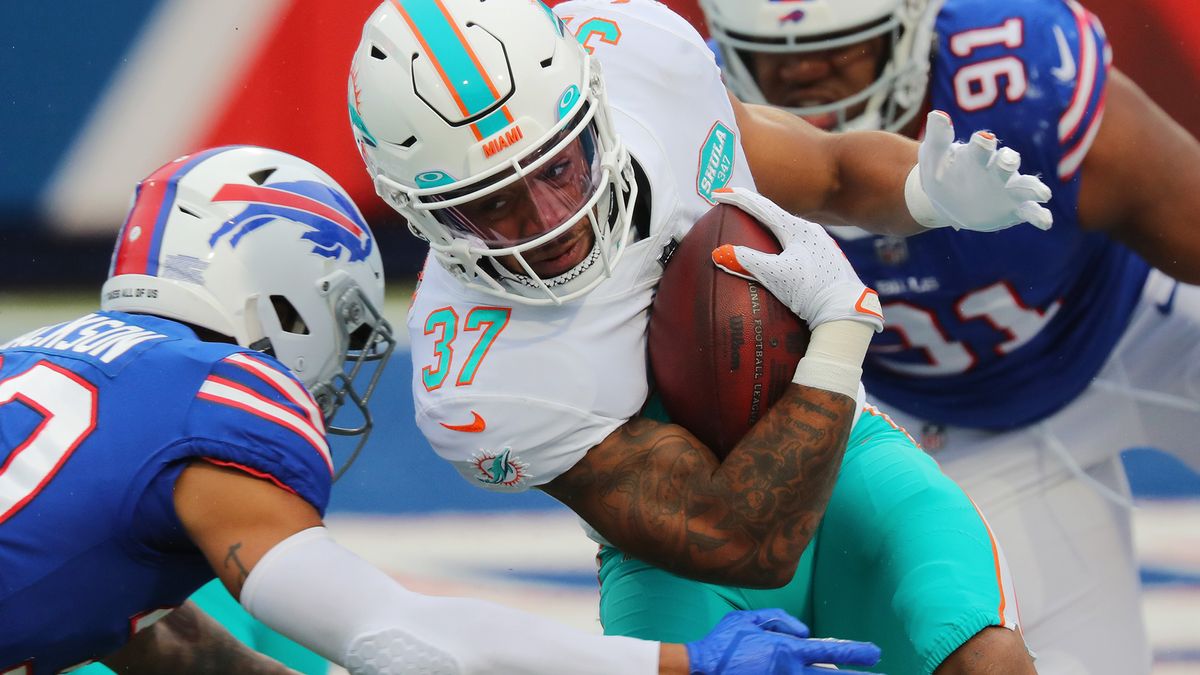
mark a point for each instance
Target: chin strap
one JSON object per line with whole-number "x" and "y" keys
{"x": 564, "y": 278}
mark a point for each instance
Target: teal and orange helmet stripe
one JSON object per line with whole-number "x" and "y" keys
{"x": 456, "y": 63}
{"x": 140, "y": 242}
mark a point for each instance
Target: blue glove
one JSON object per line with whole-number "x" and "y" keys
{"x": 772, "y": 641}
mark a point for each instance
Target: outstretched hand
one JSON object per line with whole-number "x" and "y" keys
{"x": 974, "y": 185}
{"x": 769, "y": 642}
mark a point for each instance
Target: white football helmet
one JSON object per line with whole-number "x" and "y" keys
{"x": 485, "y": 124}
{"x": 743, "y": 27}
{"x": 265, "y": 249}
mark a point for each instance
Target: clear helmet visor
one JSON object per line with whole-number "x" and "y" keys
{"x": 542, "y": 228}
{"x": 546, "y": 190}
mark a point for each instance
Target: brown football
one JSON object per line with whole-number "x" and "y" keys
{"x": 722, "y": 349}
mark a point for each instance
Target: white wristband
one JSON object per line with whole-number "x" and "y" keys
{"x": 918, "y": 202}
{"x": 833, "y": 360}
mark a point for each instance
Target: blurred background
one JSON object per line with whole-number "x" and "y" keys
{"x": 94, "y": 96}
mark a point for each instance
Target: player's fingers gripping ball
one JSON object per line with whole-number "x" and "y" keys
{"x": 771, "y": 641}
{"x": 973, "y": 185}
{"x": 810, "y": 275}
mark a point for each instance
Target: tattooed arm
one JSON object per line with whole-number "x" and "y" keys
{"x": 189, "y": 641}
{"x": 659, "y": 494}
{"x": 266, "y": 545}
{"x": 235, "y": 518}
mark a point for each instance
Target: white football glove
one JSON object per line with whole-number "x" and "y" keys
{"x": 811, "y": 275}
{"x": 973, "y": 185}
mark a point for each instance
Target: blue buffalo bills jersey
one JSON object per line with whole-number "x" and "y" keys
{"x": 98, "y": 416}
{"x": 997, "y": 330}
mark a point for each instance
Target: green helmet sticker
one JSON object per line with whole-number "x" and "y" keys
{"x": 567, "y": 101}
{"x": 430, "y": 179}
{"x": 716, "y": 161}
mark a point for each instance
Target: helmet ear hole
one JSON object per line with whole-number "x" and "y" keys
{"x": 260, "y": 177}
{"x": 289, "y": 317}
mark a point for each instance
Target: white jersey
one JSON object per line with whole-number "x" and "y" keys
{"x": 513, "y": 396}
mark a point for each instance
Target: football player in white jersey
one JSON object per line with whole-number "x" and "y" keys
{"x": 1026, "y": 371}
{"x": 551, "y": 159}
{"x": 179, "y": 433}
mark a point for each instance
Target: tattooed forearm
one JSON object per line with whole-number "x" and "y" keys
{"x": 188, "y": 641}
{"x": 821, "y": 409}
{"x": 232, "y": 561}
{"x": 657, "y": 493}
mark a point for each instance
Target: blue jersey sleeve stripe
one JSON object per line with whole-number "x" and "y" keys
{"x": 287, "y": 387}
{"x": 253, "y": 472}
{"x": 229, "y": 393}
{"x": 1089, "y": 74}
{"x": 1072, "y": 159}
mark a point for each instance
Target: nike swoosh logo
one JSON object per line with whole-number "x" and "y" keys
{"x": 1065, "y": 72}
{"x": 1167, "y": 305}
{"x": 475, "y": 426}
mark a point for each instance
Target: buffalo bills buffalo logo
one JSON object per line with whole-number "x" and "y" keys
{"x": 334, "y": 225}
{"x": 795, "y": 15}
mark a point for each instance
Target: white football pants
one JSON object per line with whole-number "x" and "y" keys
{"x": 1056, "y": 495}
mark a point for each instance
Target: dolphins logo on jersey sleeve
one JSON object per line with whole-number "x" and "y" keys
{"x": 337, "y": 230}
{"x": 499, "y": 469}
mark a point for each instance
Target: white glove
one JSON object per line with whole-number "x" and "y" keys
{"x": 811, "y": 275}
{"x": 972, "y": 186}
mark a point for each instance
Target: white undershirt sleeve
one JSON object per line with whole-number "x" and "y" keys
{"x": 321, "y": 595}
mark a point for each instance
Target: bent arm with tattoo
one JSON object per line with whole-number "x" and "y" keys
{"x": 658, "y": 493}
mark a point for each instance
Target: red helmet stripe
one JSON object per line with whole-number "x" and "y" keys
{"x": 140, "y": 240}
{"x": 237, "y": 192}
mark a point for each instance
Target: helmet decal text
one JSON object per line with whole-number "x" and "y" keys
{"x": 505, "y": 139}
